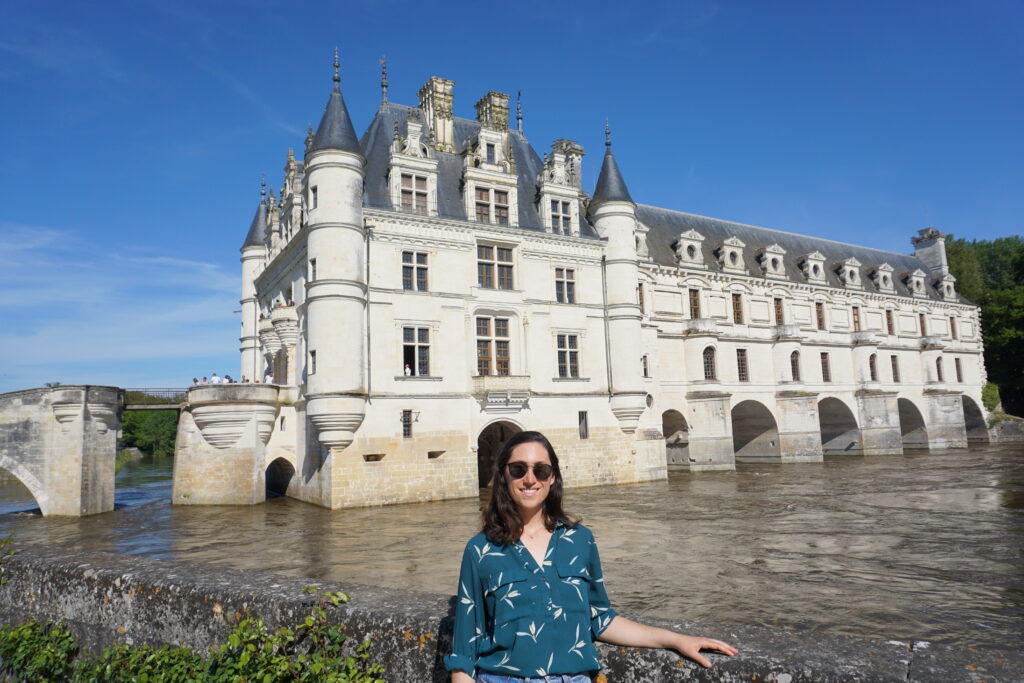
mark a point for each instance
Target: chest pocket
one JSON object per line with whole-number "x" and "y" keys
{"x": 574, "y": 587}
{"x": 511, "y": 594}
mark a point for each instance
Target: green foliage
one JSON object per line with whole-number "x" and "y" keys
{"x": 990, "y": 396}
{"x": 151, "y": 431}
{"x": 310, "y": 651}
{"x": 991, "y": 274}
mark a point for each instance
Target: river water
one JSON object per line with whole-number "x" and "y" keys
{"x": 919, "y": 546}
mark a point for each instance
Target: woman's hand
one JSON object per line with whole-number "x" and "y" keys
{"x": 461, "y": 677}
{"x": 690, "y": 646}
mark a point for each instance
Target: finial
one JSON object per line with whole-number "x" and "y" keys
{"x": 395, "y": 136}
{"x": 519, "y": 110}
{"x": 291, "y": 154}
{"x": 337, "y": 65}
{"x": 309, "y": 136}
{"x": 263, "y": 187}
{"x": 383, "y": 80}
{"x": 607, "y": 135}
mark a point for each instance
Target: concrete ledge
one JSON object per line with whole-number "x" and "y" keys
{"x": 107, "y": 598}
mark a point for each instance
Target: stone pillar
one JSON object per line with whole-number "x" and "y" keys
{"x": 944, "y": 419}
{"x": 252, "y": 261}
{"x": 879, "y": 422}
{"x": 270, "y": 343}
{"x": 220, "y": 456}
{"x": 799, "y": 429}
{"x": 710, "y": 421}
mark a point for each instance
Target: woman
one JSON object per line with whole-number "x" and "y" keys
{"x": 531, "y": 597}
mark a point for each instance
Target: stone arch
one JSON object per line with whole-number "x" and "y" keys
{"x": 279, "y": 476}
{"x": 974, "y": 422}
{"x": 794, "y": 367}
{"x": 677, "y": 437}
{"x": 755, "y": 433}
{"x": 913, "y": 431}
{"x": 839, "y": 430}
{"x": 29, "y": 481}
{"x": 488, "y": 445}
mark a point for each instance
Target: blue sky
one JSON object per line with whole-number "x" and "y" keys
{"x": 135, "y": 133}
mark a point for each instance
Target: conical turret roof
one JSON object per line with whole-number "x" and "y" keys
{"x": 335, "y": 130}
{"x": 610, "y": 185}
{"x": 258, "y": 230}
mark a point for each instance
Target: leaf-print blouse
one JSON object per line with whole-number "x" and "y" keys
{"x": 516, "y": 618}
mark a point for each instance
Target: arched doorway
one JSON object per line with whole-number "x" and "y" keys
{"x": 488, "y": 445}
{"x": 755, "y": 434}
{"x": 677, "y": 437}
{"x": 912, "y": 428}
{"x": 839, "y": 431}
{"x": 278, "y": 477}
{"x": 974, "y": 422}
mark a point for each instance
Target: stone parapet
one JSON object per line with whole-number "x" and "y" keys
{"x": 107, "y": 599}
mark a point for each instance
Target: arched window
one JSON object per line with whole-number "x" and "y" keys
{"x": 709, "y": 364}
{"x": 872, "y": 367}
{"x": 938, "y": 370}
{"x": 794, "y": 365}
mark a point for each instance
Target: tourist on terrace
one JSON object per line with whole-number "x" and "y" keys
{"x": 531, "y": 597}
{"x": 269, "y": 379}
{"x": 214, "y": 379}
{"x": 195, "y": 381}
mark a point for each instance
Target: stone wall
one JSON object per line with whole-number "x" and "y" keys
{"x": 107, "y": 599}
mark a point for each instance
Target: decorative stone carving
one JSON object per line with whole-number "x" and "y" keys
{"x": 772, "y": 260}
{"x": 66, "y": 413}
{"x": 222, "y": 425}
{"x": 813, "y": 267}
{"x": 849, "y": 273}
{"x": 730, "y": 256}
{"x": 882, "y": 277}
{"x": 269, "y": 340}
{"x": 286, "y": 325}
{"x": 103, "y": 418}
{"x": 946, "y": 287}
{"x": 689, "y": 249}
{"x": 915, "y": 283}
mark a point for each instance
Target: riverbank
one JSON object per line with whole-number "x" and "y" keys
{"x": 107, "y": 598}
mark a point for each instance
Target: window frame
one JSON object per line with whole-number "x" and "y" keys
{"x": 894, "y": 364}
{"x": 567, "y": 355}
{"x": 494, "y": 344}
{"x": 414, "y": 193}
{"x": 890, "y": 321}
{"x": 780, "y": 311}
{"x": 737, "y": 308}
{"x": 415, "y": 271}
{"x": 561, "y": 216}
{"x": 694, "y": 302}
{"x": 565, "y": 285}
{"x": 826, "y": 368}
{"x": 493, "y": 206}
{"x": 794, "y": 366}
{"x": 742, "y": 365}
{"x": 819, "y": 315}
{"x": 419, "y": 341}
{"x": 708, "y": 357}
{"x": 493, "y": 271}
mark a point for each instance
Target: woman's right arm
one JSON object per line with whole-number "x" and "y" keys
{"x": 469, "y": 620}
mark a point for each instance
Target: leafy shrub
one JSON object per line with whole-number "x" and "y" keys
{"x": 990, "y": 396}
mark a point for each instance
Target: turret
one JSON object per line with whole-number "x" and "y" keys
{"x": 336, "y": 295}
{"x": 613, "y": 214}
{"x": 254, "y": 251}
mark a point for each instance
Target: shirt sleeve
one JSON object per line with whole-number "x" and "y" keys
{"x": 601, "y": 612}
{"x": 469, "y": 617}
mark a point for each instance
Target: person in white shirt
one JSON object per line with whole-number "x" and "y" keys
{"x": 269, "y": 379}
{"x": 214, "y": 379}
{"x": 408, "y": 370}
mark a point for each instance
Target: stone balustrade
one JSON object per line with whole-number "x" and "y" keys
{"x": 864, "y": 338}
{"x": 789, "y": 332}
{"x": 700, "y": 327}
{"x": 932, "y": 342}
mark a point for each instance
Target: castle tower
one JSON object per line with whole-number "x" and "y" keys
{"x": 254, "y": 252}
{"x": 613, "y": 214}
{"x": 336, "y": 296}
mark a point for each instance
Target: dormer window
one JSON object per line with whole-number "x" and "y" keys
{"x": 414, "y": 193}
{"x": 946, "y": 286}
{"x": 772, "y": 263}
{"x": 849, "y": 273}
{"x": 882, "y": 277}
{"x": 558, "y": 188}
{"x": 561, "y": 216}
{"x": 813, "y": 267}
{"x": 915, "y": 283}
{"x": 491, "y": 206}
{"x": 730, "y": 255}
{"x": 413, "y": 173}
{"x": 689, "y": 249}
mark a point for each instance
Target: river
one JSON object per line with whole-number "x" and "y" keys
{"x": 920, "y": 546}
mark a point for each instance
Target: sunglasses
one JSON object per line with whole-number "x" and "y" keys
{"x": 541, "y": 471}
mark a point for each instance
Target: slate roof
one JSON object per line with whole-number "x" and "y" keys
{"x": 257, "y": 234}
{"x": 376, "y": 143}
{"x": 610, "y": 184}
{"x": 665, "y": 226}
{"x": 335, "y": 130}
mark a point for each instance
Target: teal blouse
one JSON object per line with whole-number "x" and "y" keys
{"x": 516, "y": 618}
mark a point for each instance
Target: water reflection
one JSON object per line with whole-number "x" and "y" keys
{"x": 917, "y": 546}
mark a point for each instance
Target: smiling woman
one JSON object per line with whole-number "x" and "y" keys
{"x": 531, "y": 596}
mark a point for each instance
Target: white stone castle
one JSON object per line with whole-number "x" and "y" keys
{"x": 424, "y": 291}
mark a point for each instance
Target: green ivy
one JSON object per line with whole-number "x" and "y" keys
{"x": 310, "y": 651}
{"x": 990, "y": 396}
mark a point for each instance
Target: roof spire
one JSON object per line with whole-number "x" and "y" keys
{"x": 519, "y": 111}
{"x": 263, "y": 187}
{"x": 607, "y": 135}
{"x": 610, "y": 184}
{"x": 383, "y": 80}
{"x": 337, "y": 72}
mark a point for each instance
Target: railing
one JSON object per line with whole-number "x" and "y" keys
{"x": 169, "y": 395}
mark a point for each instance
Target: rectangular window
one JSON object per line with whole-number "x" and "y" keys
{"x": 856, "y": 318}
{"x": 826, "y": 368}
{"x": 312, "y": 197}
{"x": 952, "y": 327}
{"x": 895, "y": 362}
{"x": 561, "y": 218}
{"x": 501, "y": 207}
{"x": 490, "y": 152}
{"x": 645, "y": 365}
{"x": 492, "y": 346}
{"x": 312, "y": 269}
{"x": 491, "y": 206}
{"x": 312, "y": 362}
{"x": 416, "y": 351}
{"x": 694, "y": 304}
{"x": 743, "y": 371}
{"x": 406, "y": 424}
{"x": 483, "y": 205}
{"x": 568, "y": 355}
{"x": 890, "y": 324}
{"x": 504, "y": 268}
{"x": 485, "y": 266}
{"x": 584, "y": 426}
{"x": 819, "y": 312}
{"x": 921, "y": 324}
{"x": 414, "y": 271}
{"x": 565, "y": 285}
{"x": 940, "y": 375}
{"x": 414, "y": 194}
{"x": 959, "y": 370}
{"x": 780, "y": 319}
{"x": 737, "y": 308}
{"x": 640, "y": 296}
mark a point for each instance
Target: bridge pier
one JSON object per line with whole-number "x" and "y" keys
{"x": 60, "y": 443}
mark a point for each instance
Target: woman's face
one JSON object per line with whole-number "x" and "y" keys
{"x": 528, "y": 493}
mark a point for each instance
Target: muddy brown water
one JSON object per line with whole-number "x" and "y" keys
{"x": 919, "y": 546}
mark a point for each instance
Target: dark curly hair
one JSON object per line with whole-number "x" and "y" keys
{"x": 501, "y": 520}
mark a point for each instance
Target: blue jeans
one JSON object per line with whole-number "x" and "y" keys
{"x": 485, "y": 677}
